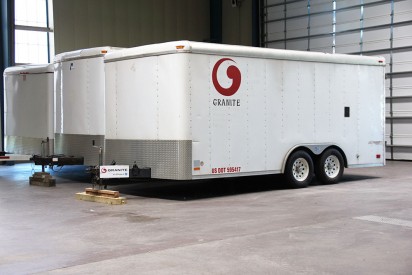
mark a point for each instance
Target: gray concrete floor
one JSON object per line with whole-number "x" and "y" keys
{"x": 249, "y": 225}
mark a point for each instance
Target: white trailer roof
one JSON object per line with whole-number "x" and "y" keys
{"x": 241, "y": 51}
{"x": 84, "y": 53}
{"x": 29, "y": 69}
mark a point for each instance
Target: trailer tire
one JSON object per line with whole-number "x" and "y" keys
{"x": 299, "y": 169}
{"x": 330, "y": 166}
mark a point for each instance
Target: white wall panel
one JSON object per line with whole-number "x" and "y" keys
{"x": 402, "y": 153}
{"x": 377, "y": 15}
{"x": 275, "y": 31}
{"x": 346, "y": 3}
{"x": 402, "y": 36}
{"x": 403, "y": 11}
{"x": 347, "y": 20}
{"x": 299, "y": 45}
{"x": 296, "y": 27}
{"x": 402, "y": 126}
{"x": 347, "y": 43}
{"x": 321, "y": 24}
{"x": 297, "y": 8}
{"x": 323, "y": 44}
{"x": 402, "y": 87}
{"x": 274, "y": 2}
{"x": 402, "y": 62}
{"x": 320, "y": 6}
{"x": 376, "y": 39}
{"x": 403, "y": 140}
{"x": 276, "y": 12}
{"x": 276, "y": 45}
{"x": 402, "y": 106}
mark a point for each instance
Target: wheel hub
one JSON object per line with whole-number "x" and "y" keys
{"x": 332, "y": 166}
{"x": 300, "y": 169}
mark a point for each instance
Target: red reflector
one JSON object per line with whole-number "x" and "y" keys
{"x": 378, "y": 156}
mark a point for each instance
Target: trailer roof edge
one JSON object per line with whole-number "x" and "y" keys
{"x": 239, "y": 51}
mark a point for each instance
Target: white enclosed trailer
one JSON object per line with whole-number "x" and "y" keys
{"x": 192, "y": 110}
{"x": 28, "y": 110}
{"x": 79, "y": 103}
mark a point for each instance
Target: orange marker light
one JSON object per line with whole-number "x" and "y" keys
{"x": 104, "y": 51}
{"x": 180, "y": 47}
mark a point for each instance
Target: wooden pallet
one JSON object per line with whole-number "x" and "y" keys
{"x": 42, "y": 179}
{"x": 103, "y": 196}
{"x": 103, "y": 193}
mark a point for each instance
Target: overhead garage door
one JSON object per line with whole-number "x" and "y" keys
{"x": 363, "y": 27}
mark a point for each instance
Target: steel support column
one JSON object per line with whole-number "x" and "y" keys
{"x": 6, "y": 48}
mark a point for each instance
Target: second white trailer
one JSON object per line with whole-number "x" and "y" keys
{"x": 193, "y": 110}
{"x": 79, "y": 103}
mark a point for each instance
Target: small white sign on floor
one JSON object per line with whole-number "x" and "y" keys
{"x": 114, "y": 171}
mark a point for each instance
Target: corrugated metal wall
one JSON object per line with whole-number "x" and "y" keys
{"x": 127, "y": 23}
{"x": 367, "y": 27}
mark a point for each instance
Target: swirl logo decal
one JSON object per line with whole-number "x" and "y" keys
{"x": 103, "y": 170}
{"x": 232, "y": 72}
